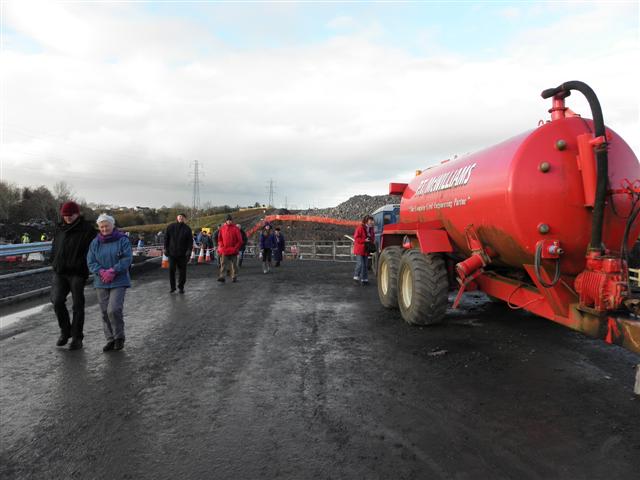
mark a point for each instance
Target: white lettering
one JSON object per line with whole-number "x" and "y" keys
{"x": 445, "y": 181}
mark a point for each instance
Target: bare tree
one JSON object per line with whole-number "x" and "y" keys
{"x": 9, "y": 199}
{"x": 63, "y": 192}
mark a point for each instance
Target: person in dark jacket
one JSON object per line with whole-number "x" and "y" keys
{"x": 278, "y": 251}
{"x": 243, "y": 248}
{"x": 178, "y": 243}
{"x": 363, "y": 239}
{"x": 109, "y": 259}
{"x": 267, "y": 244}
{"x": 71, "y": 242}
{"x": 229, "y": 243}
{"x": 214, "y": 237}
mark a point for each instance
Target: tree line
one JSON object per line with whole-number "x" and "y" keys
{"x": 22, "y": 205}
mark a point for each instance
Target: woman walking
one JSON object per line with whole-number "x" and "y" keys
{"x": 267, "y": 244}
{"x": 363, "y": 244}
{"x": 109, "y": 259}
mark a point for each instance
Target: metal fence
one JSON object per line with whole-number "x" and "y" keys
{"x": 335, "y": 251}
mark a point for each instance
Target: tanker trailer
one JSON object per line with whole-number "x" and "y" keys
{"x": 543, "y": 221}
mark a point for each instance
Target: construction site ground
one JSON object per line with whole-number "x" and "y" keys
{"x": 301, "y": 374}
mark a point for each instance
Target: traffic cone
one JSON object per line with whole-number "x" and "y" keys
{"x": 165, "y": 262}
{"x": 193, "y": 255}
{"x": 201, "y": 256}
{"x": 207, "y": 258}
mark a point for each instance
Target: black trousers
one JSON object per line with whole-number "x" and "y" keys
{"x": 61, "y": 286}
{"x": 181, "y": 263}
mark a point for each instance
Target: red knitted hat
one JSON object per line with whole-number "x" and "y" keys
{"x": 69, "y": 208}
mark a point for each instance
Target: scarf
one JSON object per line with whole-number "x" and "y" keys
{"x": 112, "y": 237}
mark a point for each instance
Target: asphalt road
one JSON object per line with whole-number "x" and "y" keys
{"x": 301, "y": 374}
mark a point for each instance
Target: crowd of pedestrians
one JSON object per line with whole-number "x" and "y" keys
{"x": 79, "y": 248}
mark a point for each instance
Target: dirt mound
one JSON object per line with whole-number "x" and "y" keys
{"x": 354, "y": 208}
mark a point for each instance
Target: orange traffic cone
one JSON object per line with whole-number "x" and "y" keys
{"x": 165, "y": 262}
{"x": 201, "y": 256}
{"x": 193, "y": 255}
{"x": 207, "y": 258}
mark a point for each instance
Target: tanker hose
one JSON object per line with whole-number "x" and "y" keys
{"x": 602, "y": 160}
{"x": 537, "y": 264}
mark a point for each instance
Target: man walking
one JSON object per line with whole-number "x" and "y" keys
{"x": 229, "y": 243}
{"x": 178, "y": 242}
{"x": 69, "y": 249}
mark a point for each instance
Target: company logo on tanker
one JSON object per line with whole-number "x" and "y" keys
{"x": 445, "y": 181}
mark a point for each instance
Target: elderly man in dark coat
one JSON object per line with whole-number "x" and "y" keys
{"x": 71, "y": 242}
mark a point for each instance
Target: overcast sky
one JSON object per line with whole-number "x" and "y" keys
{"x": 328, "y": 99}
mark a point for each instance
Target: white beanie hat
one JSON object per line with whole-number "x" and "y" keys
{"x": 106, "y": 218}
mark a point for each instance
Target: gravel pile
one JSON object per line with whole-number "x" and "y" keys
{"x": 355, "y": 208}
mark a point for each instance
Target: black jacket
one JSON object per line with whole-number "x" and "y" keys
{"x": 70, "y": 246}
{"x": 245, "y": 240}
{"x": 178, "y": 241}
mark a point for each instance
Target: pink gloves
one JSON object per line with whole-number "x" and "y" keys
{"x": 107, "y": 276}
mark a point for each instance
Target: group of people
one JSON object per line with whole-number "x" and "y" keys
{"x": 78, "y": 249}
{"x": 229, "y": 242}
{"x": 272, "y": 245}
{"x": 208, "y": 241}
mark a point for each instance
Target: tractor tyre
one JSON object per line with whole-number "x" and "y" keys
{"x": 388, "y": 264}
{"x": 423, "y": 288}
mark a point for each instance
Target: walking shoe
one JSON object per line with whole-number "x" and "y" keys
{"x": 181, "y": 290}
{"x": 356, "y": 280}
{"x": 172, "y": 290}
{"x": 118, "y": 344}
{"x": 365, "y": 283}
{"x": 108, "y": 346}
{"x": 264, "y": 270}
{"x": 76, "y": 344}
{"x": 62, "y": 340}
{"x": 221, "y": 279}
{"x": 234, "y": 280}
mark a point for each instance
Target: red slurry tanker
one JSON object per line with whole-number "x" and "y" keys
{"x": 543, "y": 221}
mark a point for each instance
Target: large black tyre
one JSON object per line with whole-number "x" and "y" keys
{"x": 388, "y": 264}
{"x": 423, "y": 288}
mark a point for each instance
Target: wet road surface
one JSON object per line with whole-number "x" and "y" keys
{"x": 302, "y": 375}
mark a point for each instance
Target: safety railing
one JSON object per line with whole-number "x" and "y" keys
{"x": 18, "y": 249}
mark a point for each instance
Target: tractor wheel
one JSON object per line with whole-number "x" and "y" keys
{"x": 423, "y": 288}
{"x": 388, "y": 264}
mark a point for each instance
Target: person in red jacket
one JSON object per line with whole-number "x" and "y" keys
{"x": 363, "y": 243}
{"x": 229, "y": 244}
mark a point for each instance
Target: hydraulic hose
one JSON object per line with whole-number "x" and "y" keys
{"x": 602, "y": 160}
{"x": 537, "y": 266}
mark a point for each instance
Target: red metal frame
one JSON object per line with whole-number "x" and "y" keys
{"x": 560, "y": 304}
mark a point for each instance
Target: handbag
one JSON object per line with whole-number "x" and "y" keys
{"x": 371, "y": 247}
